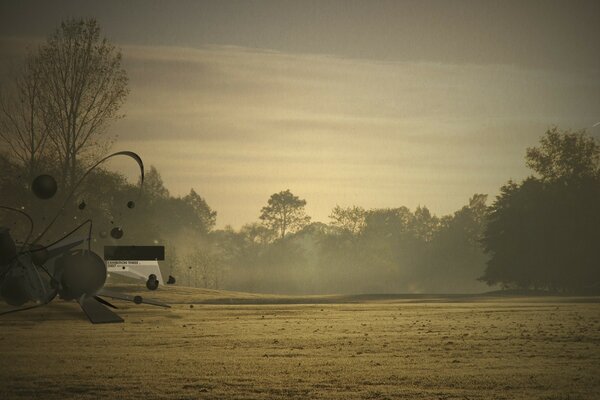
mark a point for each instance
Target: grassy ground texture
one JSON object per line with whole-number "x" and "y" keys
{"x": 226, "y": 345}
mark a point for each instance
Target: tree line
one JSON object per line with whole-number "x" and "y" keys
{"x": 538, "y": 234}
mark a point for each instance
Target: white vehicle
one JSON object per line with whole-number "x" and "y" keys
{"x": 138, "y": 262}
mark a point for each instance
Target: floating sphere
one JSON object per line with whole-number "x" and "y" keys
{"x": 82, "y": 205}
{"x": 80, "y": 272}
{"x": 44, "y": 186}
{"x": 131, "y": 204}
{"x": 138, "y": 299}
{"x": 152, "y": 283}
{"x": 116, "y": 232}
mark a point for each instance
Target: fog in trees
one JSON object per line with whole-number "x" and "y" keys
{"x": 538, "y": 234}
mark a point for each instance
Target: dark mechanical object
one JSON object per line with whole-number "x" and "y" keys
{"x": 72, "y": 274}
{"x": 31, "y": 272}
{"x": 152, "y": 282}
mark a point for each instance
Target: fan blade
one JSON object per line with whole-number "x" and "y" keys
{"x": 96, "y": 312}
{"x": 133, "y": 299}
{"x": 105, "y": 302}
{"x": 56, "y": 250}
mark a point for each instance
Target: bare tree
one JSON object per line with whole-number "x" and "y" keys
{"x": 22, "y": 127}
{"x": 208, "y": 270}
{"x": 82, "y": 87}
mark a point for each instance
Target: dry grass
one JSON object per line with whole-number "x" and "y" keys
{"x": 345, "y": 348}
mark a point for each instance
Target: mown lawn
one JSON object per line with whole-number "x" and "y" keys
{"x": 387, "y": 348}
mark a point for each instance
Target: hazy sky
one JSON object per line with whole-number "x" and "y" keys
{"x": 374, "y": 103}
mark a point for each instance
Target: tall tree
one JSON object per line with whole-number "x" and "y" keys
{"x": 204, "y": 213}
{"x": 543, "y": 233}
{"x": 351, "y": 219}
{"x": 22, "y": 126}
{"x": 154, "y": 187}
{"x": 565, "y": 154}
{"x": 284, "y": 213}
{"x": 82, "y": 86}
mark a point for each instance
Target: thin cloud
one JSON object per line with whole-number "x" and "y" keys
{"x": 239, "y": 124}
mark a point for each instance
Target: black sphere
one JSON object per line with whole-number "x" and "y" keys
{"x": 152, "y": 284}
{"x": 80, "y": 272}
{"x": 138, "y": 299}
{"x": 131, "y": 204}
{"x": 116, "y": 232}
{"x": 44, "y": 186}
{"x": 82, "y": 205}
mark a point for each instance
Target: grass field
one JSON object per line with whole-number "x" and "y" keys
{"x": 221, "y": 345}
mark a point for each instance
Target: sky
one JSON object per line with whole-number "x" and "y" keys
{"x": 370, "y": 103}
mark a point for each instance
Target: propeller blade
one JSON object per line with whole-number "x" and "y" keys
{"x": 96, "y": 312}
{"x": 105, "y": 302}
{"x": 56, "y": 250}
{"x": 133, "y": 299}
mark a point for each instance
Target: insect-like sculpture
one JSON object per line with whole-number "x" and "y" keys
{"x": 30, "y": 272}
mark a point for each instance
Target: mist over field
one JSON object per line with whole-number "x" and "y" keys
{"x": 306, "y": 166}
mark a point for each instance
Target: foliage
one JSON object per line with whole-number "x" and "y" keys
{"x": 395, "y": 250}
{"x": 543, "y": 233}
{"x": 284, "y": 213}
{"x": 351, "y": 219}
{"x": 205, "y": 216}
{"x": 565, "y": 155}
{"x": 65, "y": 97}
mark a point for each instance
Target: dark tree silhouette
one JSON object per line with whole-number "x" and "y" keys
{"x": 205, "y": 215}
{"x": 543, "y": 233}
{"x": 284, "y": 213}
{"x": 351, "y": 219}
{"x": 22, "y": 126}
{"x": 565, "y": 155}
{"x": 82, "y": 86}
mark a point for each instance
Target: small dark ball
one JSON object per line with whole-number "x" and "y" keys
{"x": 82, "y": 205}
{"x": 131, "y": 204}
{"x": 116, "y": 232}
{"x": 138, "y": 299}
{"x": 44, "y": 186}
